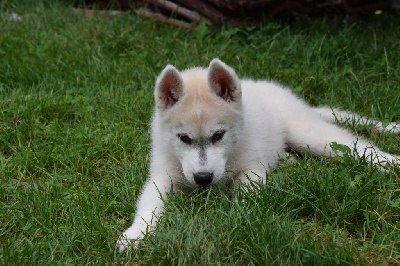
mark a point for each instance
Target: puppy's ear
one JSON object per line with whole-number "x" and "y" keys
{"x": 169, "y": 88}
{"x": 224, "y": 82}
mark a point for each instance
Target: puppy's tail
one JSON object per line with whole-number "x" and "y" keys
{"x": 333, "y": 115}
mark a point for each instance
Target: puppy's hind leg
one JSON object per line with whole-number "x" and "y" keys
{"x": 315, "y": 136}
{"x": 332, "y": 115}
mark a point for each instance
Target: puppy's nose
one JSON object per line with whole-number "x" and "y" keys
{"x": 203, "y": 178}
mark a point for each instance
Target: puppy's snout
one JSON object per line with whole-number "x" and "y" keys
{"x": 203, "y": 178}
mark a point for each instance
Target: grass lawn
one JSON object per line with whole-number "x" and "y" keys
{"x": 76, "y": 94}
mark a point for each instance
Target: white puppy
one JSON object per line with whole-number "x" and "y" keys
{"x": 211, "y": 127}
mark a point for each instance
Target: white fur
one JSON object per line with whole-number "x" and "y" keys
{"x": 260, "y": 120}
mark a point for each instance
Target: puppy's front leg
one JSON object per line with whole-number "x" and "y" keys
{"x": 149, "y": 206}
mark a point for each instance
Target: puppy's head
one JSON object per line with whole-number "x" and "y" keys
{"x": 200, "y": 112}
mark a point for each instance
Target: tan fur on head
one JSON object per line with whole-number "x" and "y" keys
{"x": 201, "y": 105}
{"x": 200, "y": 84}
{"x": 204, "y": 95}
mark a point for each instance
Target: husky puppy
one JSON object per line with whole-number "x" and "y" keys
{"x": 211, "y": 127}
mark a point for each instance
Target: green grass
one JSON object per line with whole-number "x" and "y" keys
{"x": 75, "y": 102}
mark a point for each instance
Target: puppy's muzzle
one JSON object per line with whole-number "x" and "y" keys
{"x": 203, "y": 178}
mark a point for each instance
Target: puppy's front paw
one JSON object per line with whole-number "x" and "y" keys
{"x": 129, "y": 239}
{"x": 124, "y": 243}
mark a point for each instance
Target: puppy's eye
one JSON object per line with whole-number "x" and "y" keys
{"x": 185, "y": 139}
{"x": 217, "y": 136}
